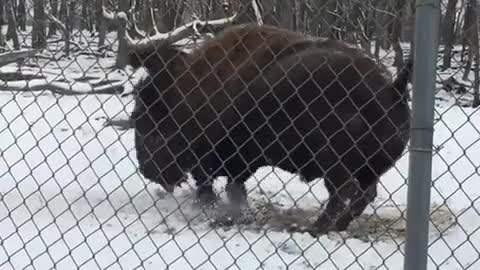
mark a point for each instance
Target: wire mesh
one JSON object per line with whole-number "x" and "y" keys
{"x": 75, "y": 192}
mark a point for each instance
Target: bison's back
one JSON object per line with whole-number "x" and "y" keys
{"x": 240, "y": 53}
{"x": 310, "y": 111}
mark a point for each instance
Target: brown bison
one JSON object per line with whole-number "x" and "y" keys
{"x": 257, "y": 96}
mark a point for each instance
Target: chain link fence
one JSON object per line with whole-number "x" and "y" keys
{"x": 230, "y": 135}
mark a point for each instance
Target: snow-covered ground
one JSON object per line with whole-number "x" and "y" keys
{"x": 71, "y": 197}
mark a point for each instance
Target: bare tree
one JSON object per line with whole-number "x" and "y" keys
{"x": 2, "y": 8}
{"x": 69, "y": 25}
{"x": 149, "y": 25}
{"x": 367, "y": 24}
{"x": 312, "y": 18}
{"x": 52, "y": 29}
{"x": 86, "y": 25}
{"x": 170, "y": 14}
{"x": 283, "y": 13}
{"x": 215, "y": 10}
{"x": 122, "y": 55}
{"x": 396, "y": 31}
{"x": 65, "y": 28}
{"x": 2, "y": 38}
{"x": 449, "y": 32}
{"x": 12, "y": 25}
{"x": 299, "y": 22}
{"x": 207, "y": 9}
{"x": 379, "y": 28}
{"x": 177, "y": 34}
{"x": 475, "y": 50}
{"x": 101, "y": 23}
{"x": 22, "y": 15}
{"x": 63, "y": 11}
{"x": 39, "y": 39}
{"x": 328, "y": 16}
{"x": 411, "y": 22}
{"x": 469, "y": 35}
{"x": 247, "y": 13}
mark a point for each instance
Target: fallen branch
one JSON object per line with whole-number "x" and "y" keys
{"x": 56, "y": 21}
{"x": 13, "y": 56}
{"x": 16, "y": 76}
{"x": 177, "y": 34}
{"x": 122, "y": 124}
{"x": 451, "y": 84}
{"x": 53, "y": 41}
{"x": 80, "y": 47}
{"x": 62, "y": 88}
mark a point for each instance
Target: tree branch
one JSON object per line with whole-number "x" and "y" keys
{"x": 10, "y": 57}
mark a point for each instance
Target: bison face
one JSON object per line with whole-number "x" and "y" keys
{"x": 157, "y": 162}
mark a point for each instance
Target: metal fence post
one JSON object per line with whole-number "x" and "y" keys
{"x": 426, "y": 46}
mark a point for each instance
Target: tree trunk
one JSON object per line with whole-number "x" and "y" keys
{"x": 70, "y": 13}
{"x": 101, "y": 23}
{"x": 412, "y": 40}
{"x": 378, "y": 28}
{"x": 284, "y": 13}
{"x": 63, "y": 11}
{"x": 300, "y": 16}
{"x": 474, "y": 49}
{"x": 12, "y": 25}
{"x": 148, "y": 19}
{"x": 246, "y": 13}
{"x": 386, "y": 23}
{"x": 91, "y": 16}
{"x": 368, "y": 27}
{"x": 448, "y": 32}
{"x": 396, "y": 31}
{"x": 202, "y": 9}
{"x": 39, "y": 40}
{"x": 122, "y": 54}
{"x": 84, "y": 25}
{"x": 215, "y": 9}
{"x": 468, "y": 27}
{"x": 22, "y": 15}
{"x": 2, "y": 20}
{"x": 324, "y": 11}
{"x": 2, "y": 8}
{"x": 52, "y": 29}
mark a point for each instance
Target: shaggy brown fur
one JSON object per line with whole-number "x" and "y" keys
{"x": 217, "y": 70}
{"x": 319, "y": 108}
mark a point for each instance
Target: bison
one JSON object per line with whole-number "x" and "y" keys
{"x": 256, "y": 96}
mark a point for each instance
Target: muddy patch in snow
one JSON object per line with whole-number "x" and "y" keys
{"x": 385, "y": 223}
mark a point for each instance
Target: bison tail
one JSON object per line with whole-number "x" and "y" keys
{"x": 403, "y": 77}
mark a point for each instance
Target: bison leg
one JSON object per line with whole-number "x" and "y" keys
{"x": 206, "y": 196}
{"x": 348, "y": 200}
{"x": 366, "y": 194}
{"x": 237, "y": 193}
{"x": 357, "y": 206}
{"x": 341, "y": 188}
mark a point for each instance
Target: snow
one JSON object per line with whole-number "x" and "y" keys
{"x": 71, "y": 196}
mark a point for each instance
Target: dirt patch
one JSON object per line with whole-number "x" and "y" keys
{"x": 385, "y": 223}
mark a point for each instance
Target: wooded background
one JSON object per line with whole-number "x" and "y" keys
{"x": 374, "y": 25}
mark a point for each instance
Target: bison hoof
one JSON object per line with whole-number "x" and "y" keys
{"x": 206, "y": 199}
{"x": 343, "y": 223}
{"x": 325, "y": 224}
{"x": 235, "y": 210}
{"x": 314, "y": 230}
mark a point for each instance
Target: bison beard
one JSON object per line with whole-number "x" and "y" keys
{"x": 319, "y": 108}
